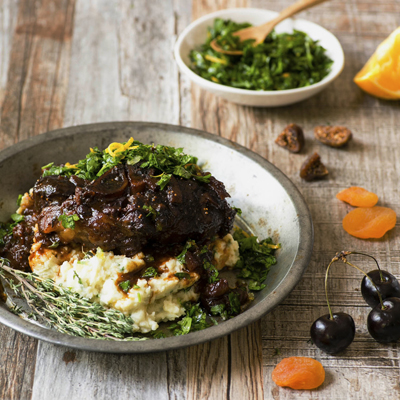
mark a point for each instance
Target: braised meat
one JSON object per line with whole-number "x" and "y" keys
{"x": 125, "y": 210}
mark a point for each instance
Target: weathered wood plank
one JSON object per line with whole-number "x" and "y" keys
{"x": 208, "y": 370}
{"x": 32, "y": 94}
{"x": 8, "y": 20}
{"x": 115, "y": 75}
{"x": 80, "y": 374}
{"x": 38, "y": 73}
{"x": 17, "y": 364}
{"x": 246, "y": 363}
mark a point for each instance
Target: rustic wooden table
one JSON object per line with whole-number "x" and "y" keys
{"x": 69, "y": 62}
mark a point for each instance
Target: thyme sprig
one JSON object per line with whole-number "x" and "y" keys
{"x": 67, "y": 311}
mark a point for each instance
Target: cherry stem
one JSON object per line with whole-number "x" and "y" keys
{"x": 368, "y": 277}
{"x": 367, "y": 255}
{"x": 326, "y": 286}
{"x": 342, "y": 256}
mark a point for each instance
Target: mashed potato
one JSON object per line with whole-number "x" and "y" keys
{"x": 149, "y": 302}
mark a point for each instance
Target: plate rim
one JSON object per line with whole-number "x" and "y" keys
{"x": 250, "y": 315}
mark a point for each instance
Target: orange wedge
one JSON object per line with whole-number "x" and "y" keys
{"x": 380, "y": 76}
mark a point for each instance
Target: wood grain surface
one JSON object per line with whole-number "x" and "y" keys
{"x": 72, "y": 62}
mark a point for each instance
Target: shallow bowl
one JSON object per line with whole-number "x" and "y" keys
{"x": 271, "y": 204}
{"x": 196, "y": 33}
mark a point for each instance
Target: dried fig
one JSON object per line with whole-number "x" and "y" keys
{"x": 334, "y": 136}
{"x": 291, "y": 138}
{"x": 313, "y": 168}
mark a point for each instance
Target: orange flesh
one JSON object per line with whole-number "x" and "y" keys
{"x": 299, "y": 373}
{"x": 380, "y": 75}
{"x": 369, "y": 223}
{"x": 357, "y": 196}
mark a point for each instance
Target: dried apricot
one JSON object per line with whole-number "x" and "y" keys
{"x": 299, "y": 373}
{"x": 357, "y": 196}
{"x": 368, "y": 223}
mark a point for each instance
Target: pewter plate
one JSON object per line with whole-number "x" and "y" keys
{"x": 271, "y": 205}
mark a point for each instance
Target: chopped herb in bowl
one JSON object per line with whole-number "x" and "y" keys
{"x": 283, "y": 61}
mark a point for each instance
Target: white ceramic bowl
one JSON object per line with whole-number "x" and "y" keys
{"x": 195, "y": 34}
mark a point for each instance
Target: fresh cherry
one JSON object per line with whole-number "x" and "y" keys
{"x": 388, "y": 286}
{"x": 384, "y": 323}
{"x": 333, "y": 335}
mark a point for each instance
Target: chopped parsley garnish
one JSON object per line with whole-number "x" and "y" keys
{"x": 54, "y": 245}
{"x": 6, "y": 229}
{"x": 219, "y": 309}
{"x": 68, "y": 221}
{"x": 234, "y": 303}
{"x": 125, "y": 286}
{"x": 182, "y": 275}
{"x": 255, "y": 259}
{"x": 168, "y": 160}
{"x": 19, "y": 199}
{"x": 158, "y": 334}
{"x": 238, "y": 210}
{"x": 149, "y": 273}
{"x": 152, "y": 212}
{"x": 181, "y": 257}
{"x": 213, "y": 274}
{"x": 17, "y": 217}
{"x": 194, "y": 320}
{"x": 204, "y": 249}
{"x": 282, "y": 61}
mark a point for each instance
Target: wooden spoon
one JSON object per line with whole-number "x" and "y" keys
{"x": 259, "y": 33}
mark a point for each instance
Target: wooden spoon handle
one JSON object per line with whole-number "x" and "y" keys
{"x": 291, "y": 10}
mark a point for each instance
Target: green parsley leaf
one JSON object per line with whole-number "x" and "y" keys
{"x": 152, "y": 212}
{"x": 68, "y": 221}
{"x": 181, "y": 257}
{"x": 158, "y": 334}
{"x": 238, "y": 210}
{"x": 20, "y": 196}
{"x": 213, "y": 274}
{"x": 234, "y": 303}
{"x": 219, "y": 309}
{"x": 125, "y": 286}
{"x": 165, "y": 178}
{"x": 149, "y": 273}
{"x": 17, "y": 217}
{"x": 256, "y": 259}
{"x": 194, "y": 320}
{"x": 182, "y": 275}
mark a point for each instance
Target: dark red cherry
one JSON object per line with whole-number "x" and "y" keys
{"x": 384, "y": 324}
{"x": 388, "y": 287}
{"x": 333, "y": 335}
